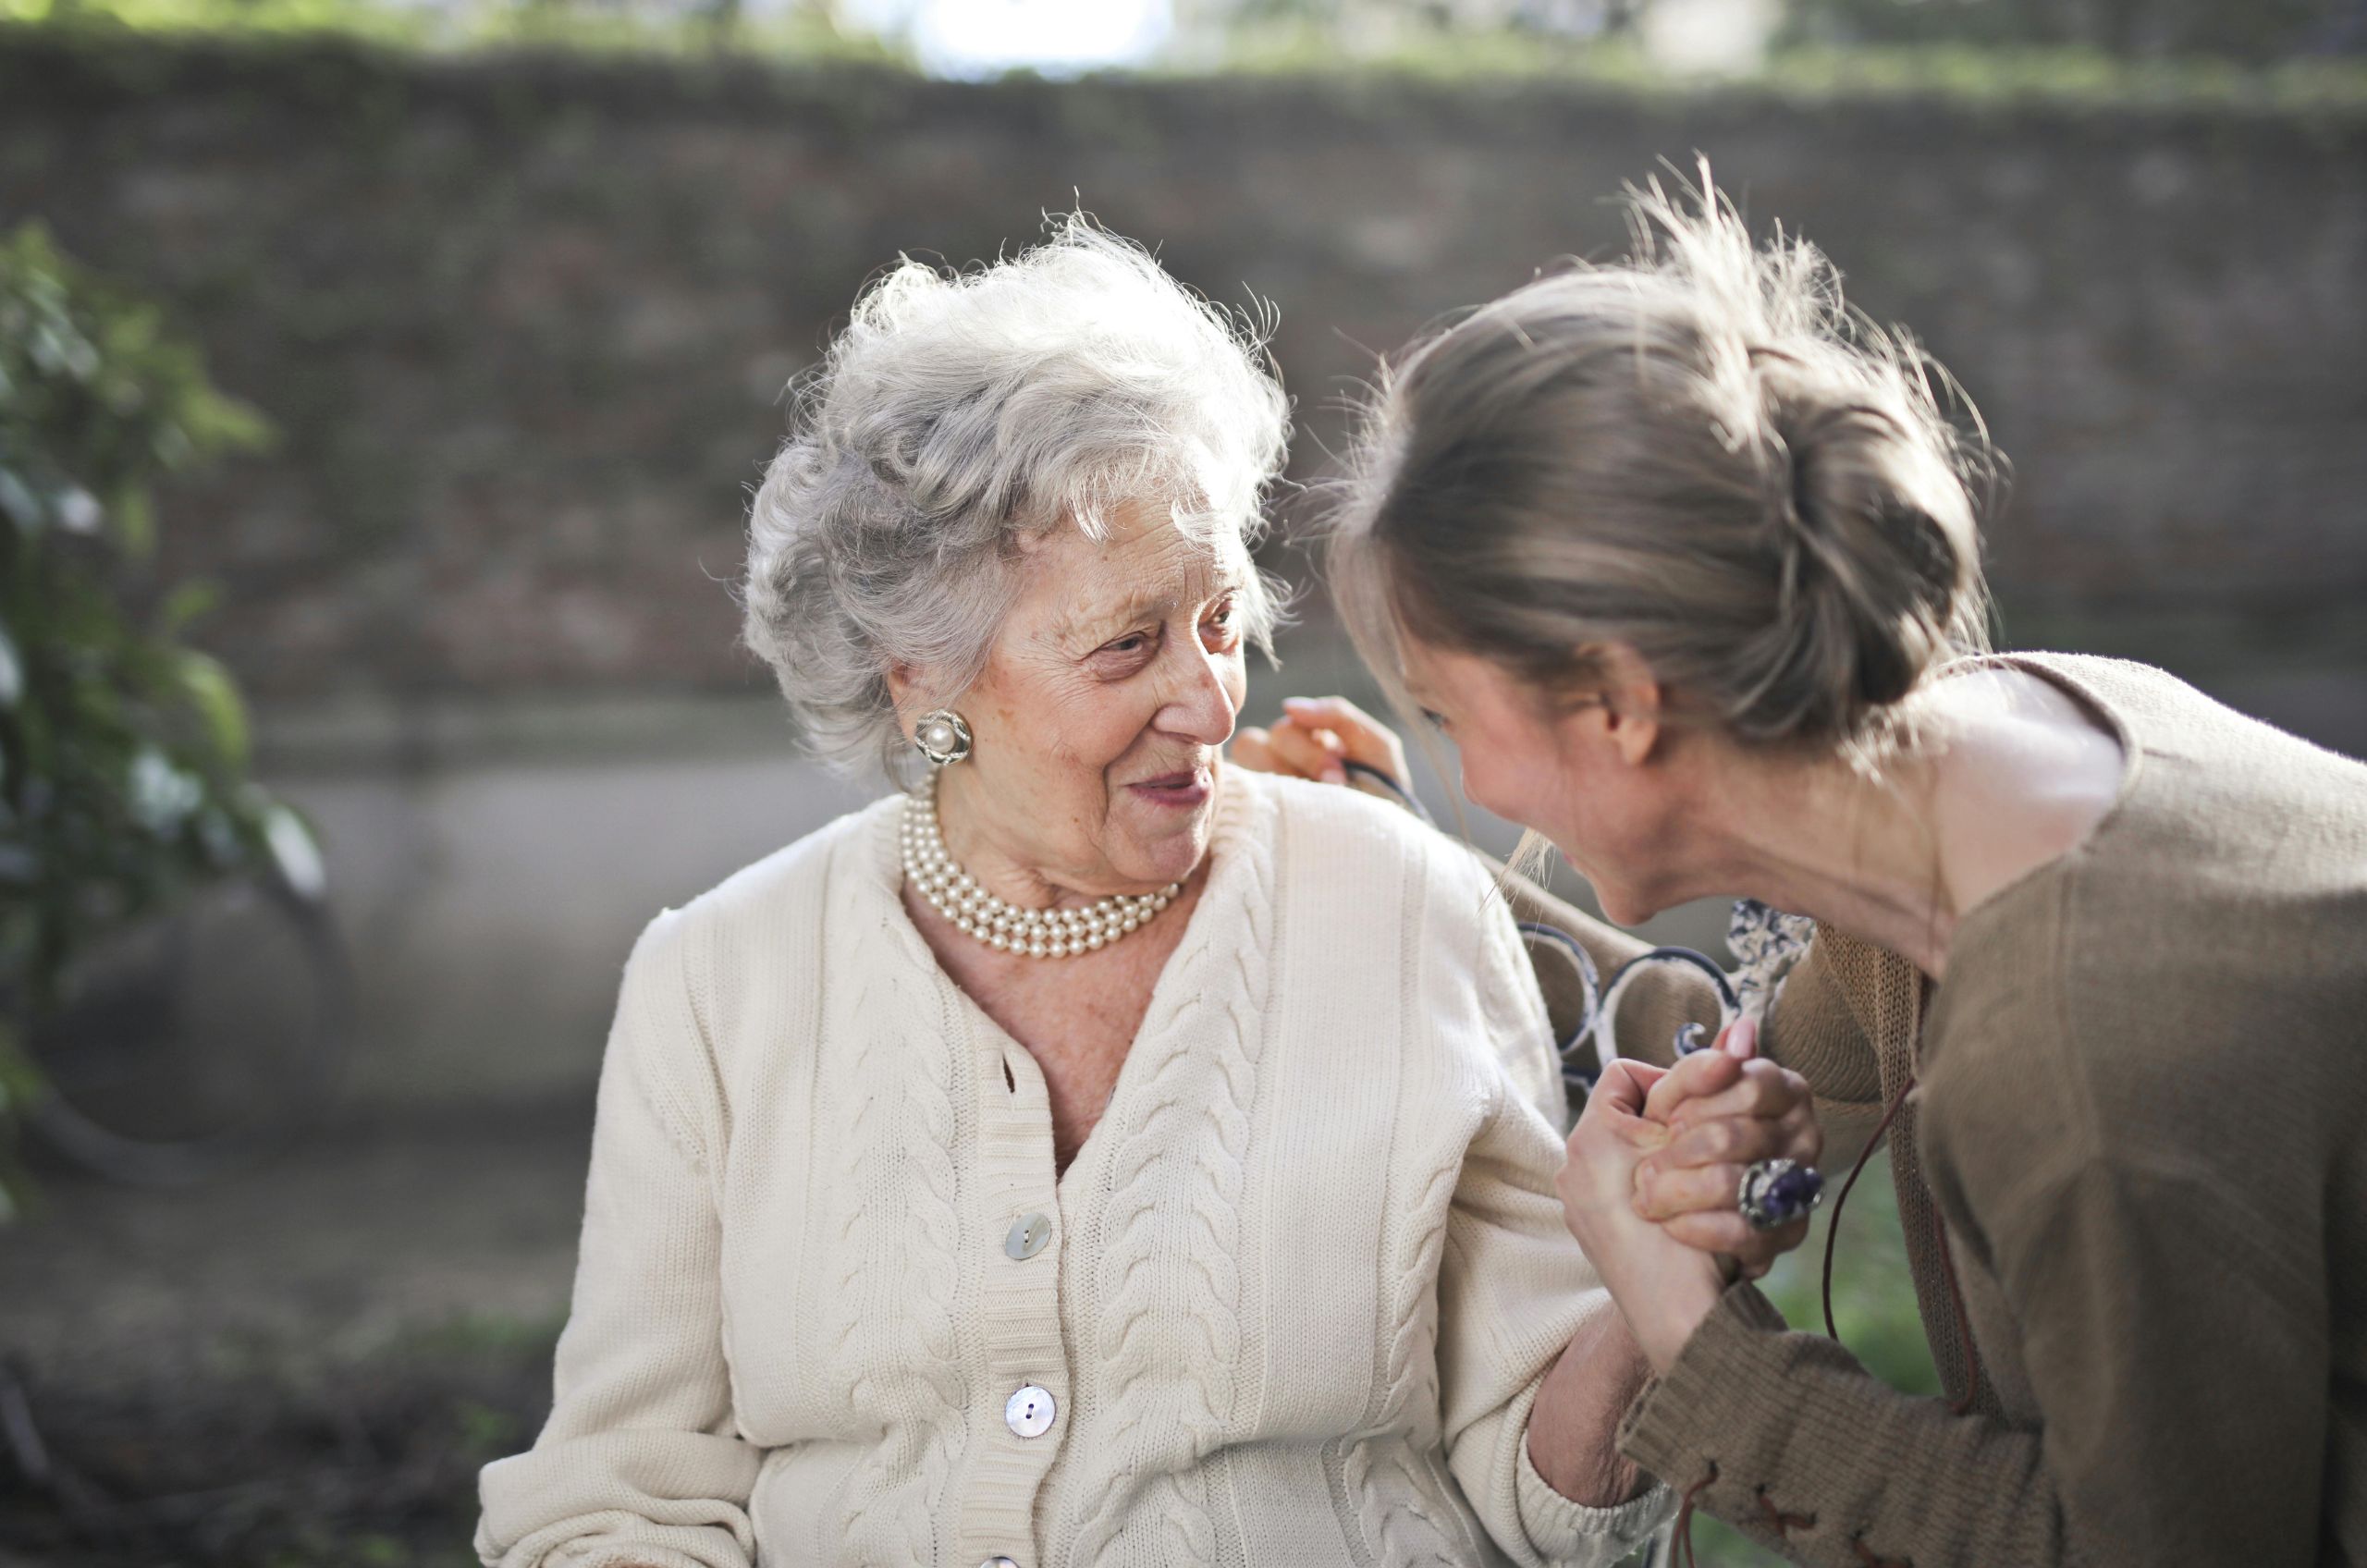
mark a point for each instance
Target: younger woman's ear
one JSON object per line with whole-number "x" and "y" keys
{"x": 1631, "y": 702}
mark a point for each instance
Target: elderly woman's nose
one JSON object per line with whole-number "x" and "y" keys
{"x": 1200, "y": 703}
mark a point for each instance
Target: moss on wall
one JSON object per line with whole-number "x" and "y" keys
{"x": 525, "y": 316}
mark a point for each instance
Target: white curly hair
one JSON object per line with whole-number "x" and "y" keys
{"x": 960, "y": 413}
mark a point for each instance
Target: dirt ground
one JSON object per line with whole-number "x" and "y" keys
{"x": 298, "y": 1367}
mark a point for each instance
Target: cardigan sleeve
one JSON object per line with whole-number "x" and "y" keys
{"x": 640, "y": 1462}
{"x": 1513, "y": 1288}
{"x": 1787, "y": 1437}
{"x": 2178, "y": 1367}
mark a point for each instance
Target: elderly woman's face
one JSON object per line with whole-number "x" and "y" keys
{"x": 1106, "y": 700}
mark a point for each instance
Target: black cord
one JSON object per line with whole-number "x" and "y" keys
{"x": 1406, "y": 797}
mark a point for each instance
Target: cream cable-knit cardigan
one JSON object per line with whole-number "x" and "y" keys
{"x": 1302, "y": 1283}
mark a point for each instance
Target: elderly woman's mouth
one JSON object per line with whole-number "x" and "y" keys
{"x": 1182, "y": 791}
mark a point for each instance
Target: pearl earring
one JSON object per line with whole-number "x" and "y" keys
{"x": 942, "y": 736}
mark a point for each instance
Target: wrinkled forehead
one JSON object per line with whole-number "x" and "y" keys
{"x": 1148, "y": 564}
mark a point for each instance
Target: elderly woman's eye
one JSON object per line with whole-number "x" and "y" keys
{"x": 1434, "y": 719}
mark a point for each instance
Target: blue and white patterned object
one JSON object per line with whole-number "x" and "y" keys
{"x": 1766, "y": 943}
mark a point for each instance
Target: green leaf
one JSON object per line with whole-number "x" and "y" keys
{"x": 186, "y": 604}
{"x": 215, "y": 697}
{"x": 135, "y": 521}
{"x": 125, "y": 752}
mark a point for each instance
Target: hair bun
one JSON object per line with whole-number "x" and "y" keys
{"x": 1876, "y": 567}
{"x": 1701, "y": 453}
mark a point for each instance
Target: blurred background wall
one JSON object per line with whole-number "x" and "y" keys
{"x": 525, "y": 320}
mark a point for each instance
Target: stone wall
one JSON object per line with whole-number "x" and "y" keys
{"x": 525, "y": 325}
{"x": 526, "y": 322}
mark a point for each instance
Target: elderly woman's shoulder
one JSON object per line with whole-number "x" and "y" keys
{"x": 1346, "y": 832}
{"x": 786, "y": 889}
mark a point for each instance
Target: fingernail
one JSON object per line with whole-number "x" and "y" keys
{"x": 1301, "y": 704}
{"x": 1742, "y": 1039}
{"x": 1335, "y": 774}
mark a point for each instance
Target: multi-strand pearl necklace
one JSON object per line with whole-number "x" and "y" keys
{"x": 1033, "y": 933}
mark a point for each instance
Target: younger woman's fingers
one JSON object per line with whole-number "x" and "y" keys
{"x": 1663, "y": 1192}
{"x": 1250, "y": 750}
{"x": 1367, "y": 739}
{"x": 1803, "y": 1136}
{"x": 1733, "y": 1140}
{"x": 1300, "y": 753}
{"x": 1738, "y": 1140}
{"x": 1699, "y": 1078}
{"x": 1764, "y": 1089}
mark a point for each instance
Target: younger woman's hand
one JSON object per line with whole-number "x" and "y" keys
{"x": 1317, "y": 736}
{"x": 1724, "y": 1109}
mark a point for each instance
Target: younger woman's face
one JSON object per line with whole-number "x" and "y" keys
{"x": 1587, "y": 773}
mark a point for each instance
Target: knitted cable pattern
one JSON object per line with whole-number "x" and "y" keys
{"x": 1401, "y": 1507}
{"x": 1170, "y": 1334}
{"x": 898, "y": 1237}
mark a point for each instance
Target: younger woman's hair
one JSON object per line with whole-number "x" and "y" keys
{"x": 1701, "y": 452}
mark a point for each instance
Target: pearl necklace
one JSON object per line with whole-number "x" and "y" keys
{"x": 1031, "y": 932}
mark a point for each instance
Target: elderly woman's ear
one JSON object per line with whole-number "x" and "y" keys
{"x": 901, "y": 686}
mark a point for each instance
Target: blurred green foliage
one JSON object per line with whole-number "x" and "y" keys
{"x": 2280, "y": 55}
{"x": 123, "y": 751}
{"x": 2245, "y": 30}
{"x": 802, "y": 29}
{"x": 1948, "y": 74}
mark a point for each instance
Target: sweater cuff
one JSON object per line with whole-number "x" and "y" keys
{"x": 1564, "y": 1530}
{"x": 1709, "y": 1396}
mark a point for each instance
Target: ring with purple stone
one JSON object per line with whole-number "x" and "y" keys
{"x": 1774, "y": 1192}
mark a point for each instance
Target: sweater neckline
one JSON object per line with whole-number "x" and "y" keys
{"x": 2057, "y": 867}
{"x": 1221, "y": 909}
{"x": 1989, "y": 923}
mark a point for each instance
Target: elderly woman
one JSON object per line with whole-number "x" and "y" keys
{"x": 1094, "y": 1156}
